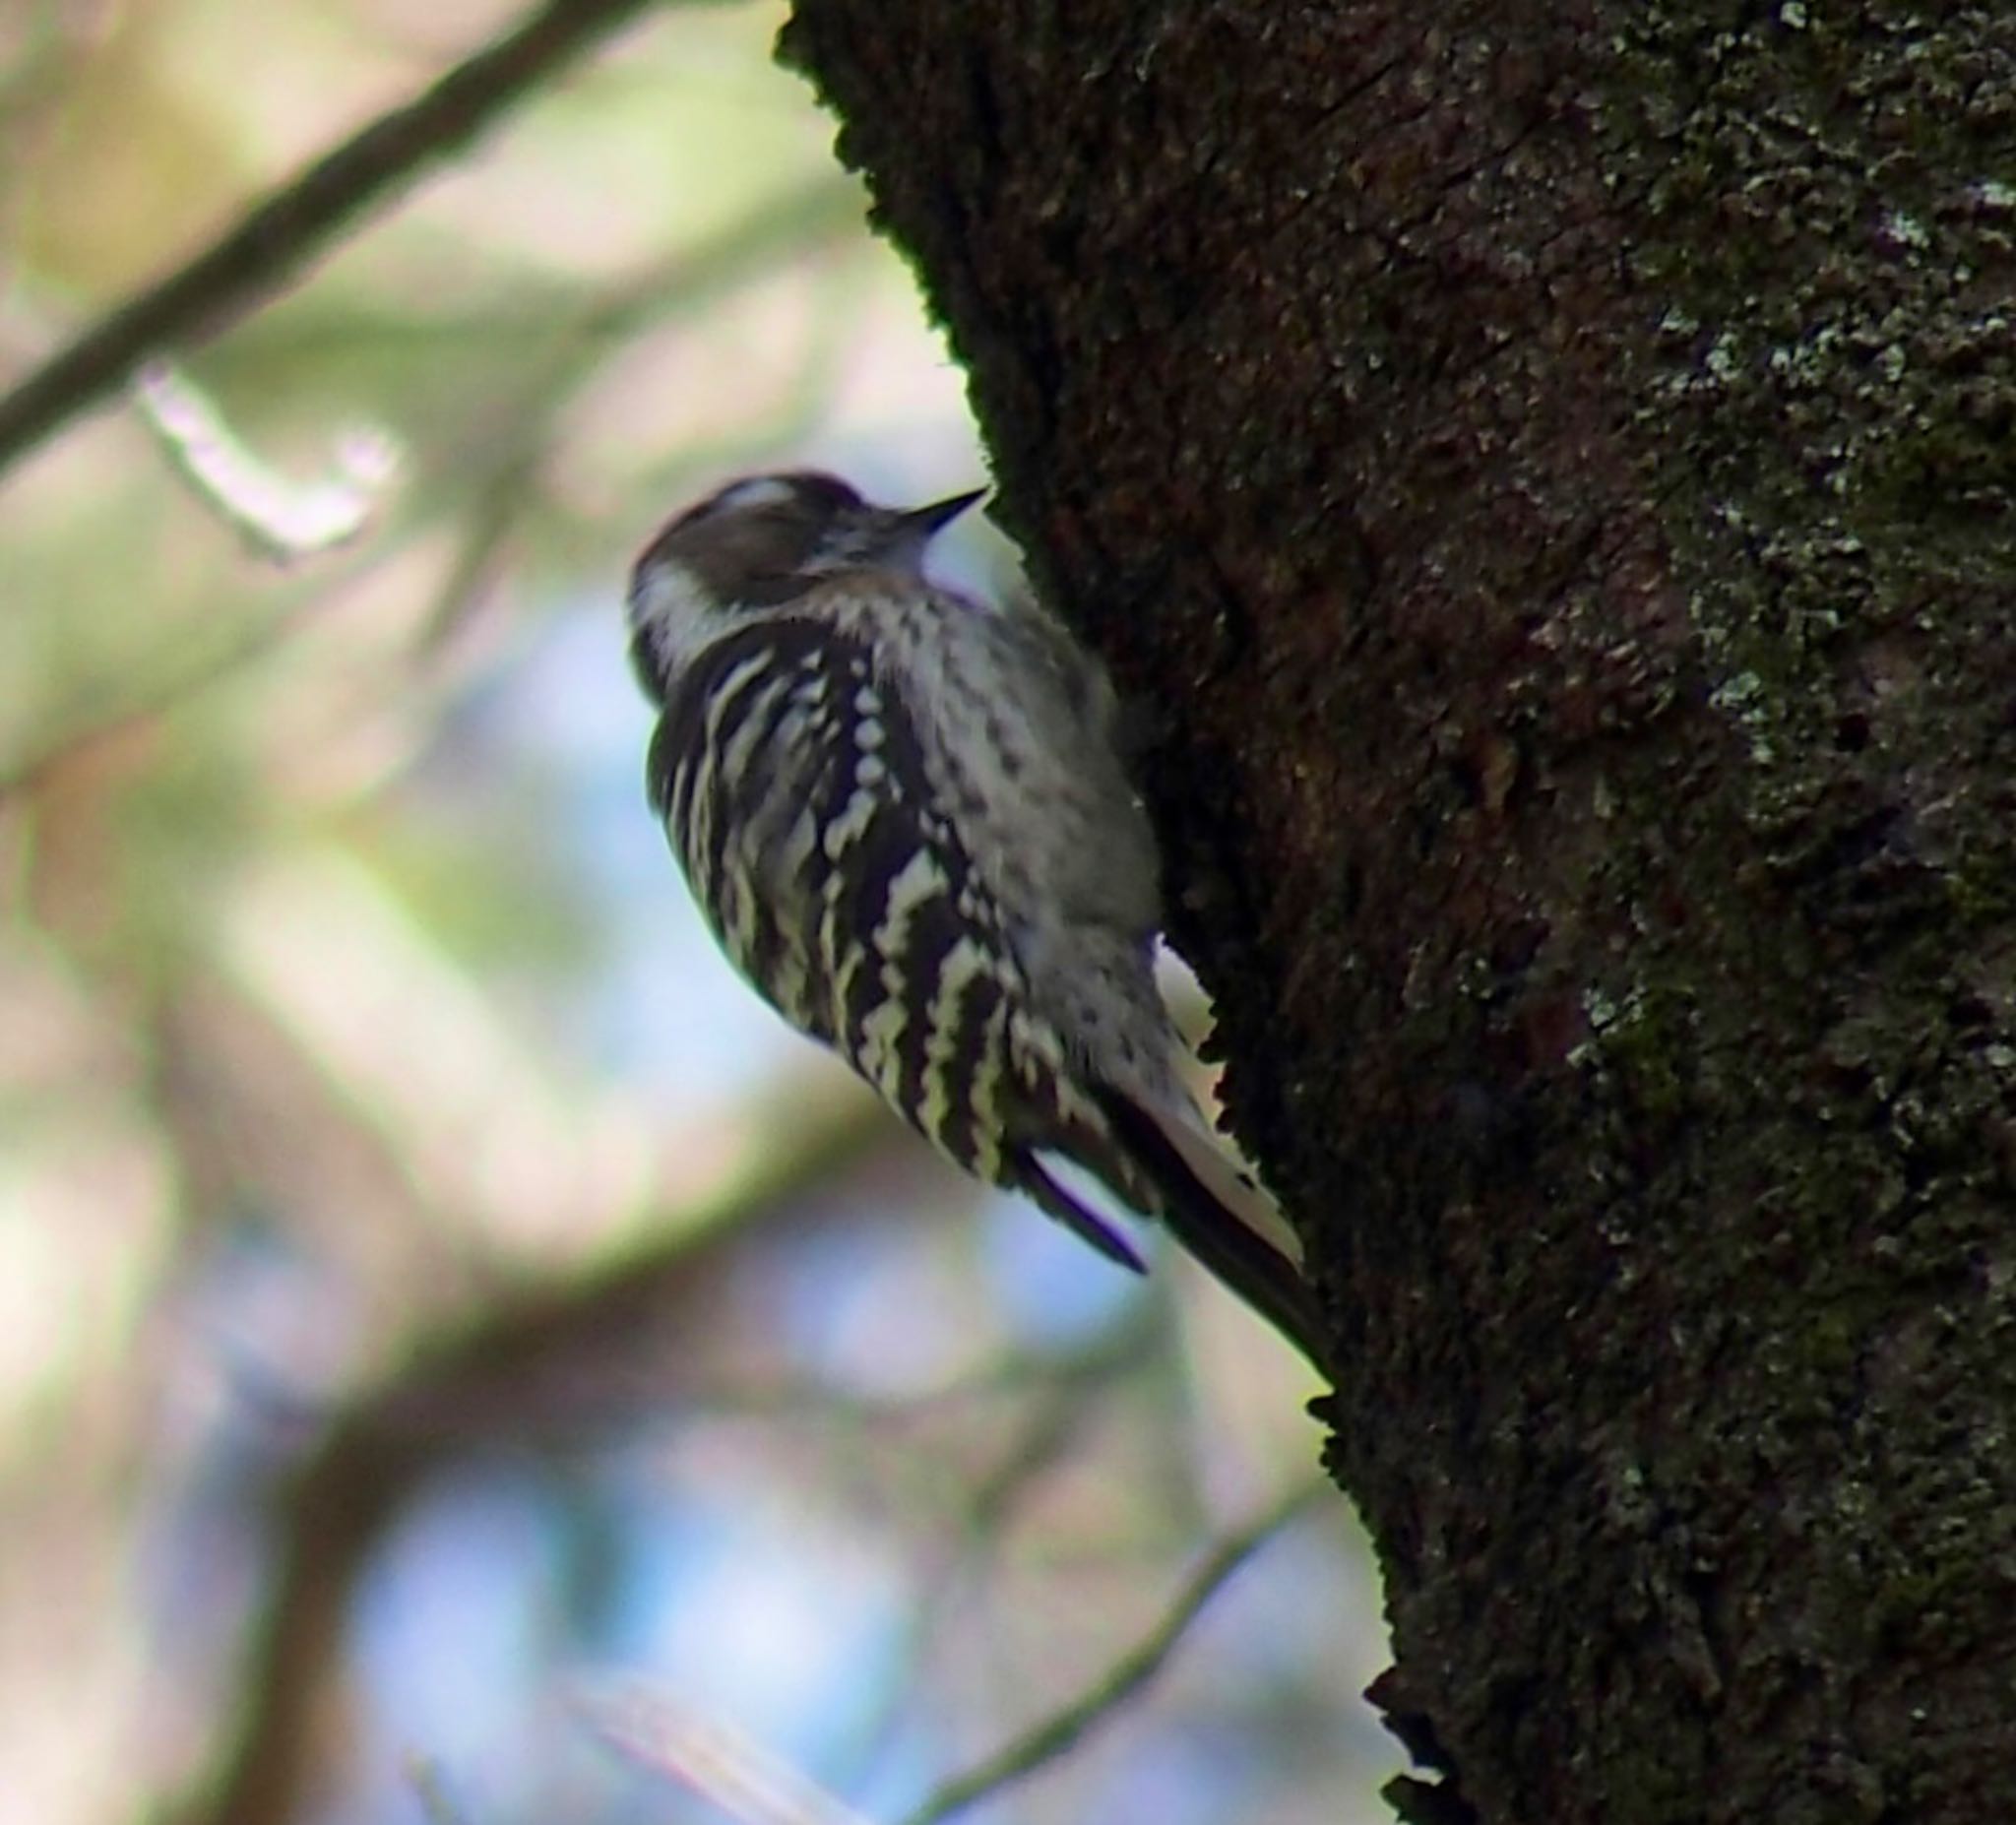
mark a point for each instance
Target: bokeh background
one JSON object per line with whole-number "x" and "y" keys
{"x": 459, "y": 1356}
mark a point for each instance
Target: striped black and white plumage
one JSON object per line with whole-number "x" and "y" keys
{"x": 905, "y": 815}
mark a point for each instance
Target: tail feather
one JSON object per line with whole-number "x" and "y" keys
{"x": 1222, "y": 1219}
{"x": 1041, "y": 1185}
{"x": 1158, "y": 1158}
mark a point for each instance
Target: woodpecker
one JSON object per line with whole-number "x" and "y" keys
{"x": 906, "y": 817}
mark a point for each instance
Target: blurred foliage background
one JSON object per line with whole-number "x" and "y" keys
{"x": 459, "y": 1356}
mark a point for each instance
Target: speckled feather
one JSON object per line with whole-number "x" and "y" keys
{"x": 903, "y": 813}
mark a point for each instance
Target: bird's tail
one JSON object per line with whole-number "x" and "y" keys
{"x": 1221, "y": 1217}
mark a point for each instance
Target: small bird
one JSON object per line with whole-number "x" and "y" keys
{"x": 905, "y": 814}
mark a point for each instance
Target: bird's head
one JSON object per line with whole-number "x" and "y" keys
{"x": 762, "y": 541}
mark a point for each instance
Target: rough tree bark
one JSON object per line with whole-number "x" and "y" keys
{"x": 1552, "y": 467}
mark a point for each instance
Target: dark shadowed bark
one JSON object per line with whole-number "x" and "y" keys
{"x": 1549, "y": 468}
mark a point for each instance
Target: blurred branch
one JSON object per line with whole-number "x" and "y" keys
{"x": 540, "y": 312}
{"x": 269, "y": 243}
{"x": 281, "y": 520}
{"x": 684, "y": 281}
{"x": 1064, "y": 1398}
{"x": 719, "y": 1763}
{"x": 1064, "y": 1730}
{"x": 495, "y": 1380}
{"x": 570, "y": 346}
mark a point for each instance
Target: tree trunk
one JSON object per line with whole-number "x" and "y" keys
{"x": 1549, "y": 468}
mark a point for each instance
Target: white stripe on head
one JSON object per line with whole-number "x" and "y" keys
{"x": 757, "y": 491}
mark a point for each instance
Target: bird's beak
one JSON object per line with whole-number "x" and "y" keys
{"x": 928, "y": 520}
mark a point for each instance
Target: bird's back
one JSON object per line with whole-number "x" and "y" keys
{"x": 1015, "y": 733}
